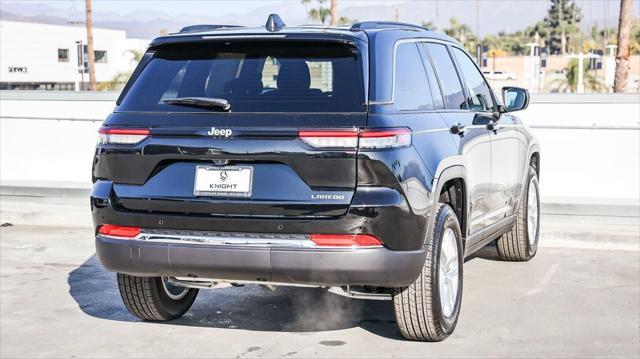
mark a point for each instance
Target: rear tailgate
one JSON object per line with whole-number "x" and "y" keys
{"x": 251, "y": 159}
{"x": 289, "y": 178}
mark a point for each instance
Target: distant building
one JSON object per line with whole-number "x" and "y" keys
{"x": 37, "y": 56}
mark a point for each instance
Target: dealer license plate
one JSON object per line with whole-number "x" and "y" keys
{"x": 233, "y": 181}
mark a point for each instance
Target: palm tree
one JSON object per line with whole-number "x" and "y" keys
{"x": 570, "y": 82}
{"x": 622, "y": 57}
{"x": 429, "y": 25}
{"x": 346, "y": 21}
{"x": 321, "y": 13}
{"x": 136, "y": 55}
{"x": 462, "y": 32}
{"x": 122, "y": 77}
{"x": 634, "y": 47}
{"x": 115, "y": 82}
{"x": 335, "y": 19}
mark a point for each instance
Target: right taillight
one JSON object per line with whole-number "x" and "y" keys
{"x": 385, "y": 138}
{"x": 330, "y": 138}
{"x": 370, "y": 139}
{"x": 345, "y": 240}
{"x": 122, "y": 136}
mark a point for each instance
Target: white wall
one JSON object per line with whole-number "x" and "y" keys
{"x": 590, "y": 143}
{"x": 590, "y": 146}
{"x": 43, "y": 151}
{"x": 35, "y": 46}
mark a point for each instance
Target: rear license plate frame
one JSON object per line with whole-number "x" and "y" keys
{"x": 226, "y": 194}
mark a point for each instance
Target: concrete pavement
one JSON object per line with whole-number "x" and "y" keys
{"x": 57, "y": 301}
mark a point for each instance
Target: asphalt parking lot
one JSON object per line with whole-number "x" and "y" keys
{"x": 57, "y": 301}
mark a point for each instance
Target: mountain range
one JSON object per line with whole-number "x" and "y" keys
{"x": 494, "y": 15}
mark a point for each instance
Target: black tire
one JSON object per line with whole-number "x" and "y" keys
{"x": 147, "y": 299}
{"x": 418, "y": 308}
{"x": 515, "y": 245}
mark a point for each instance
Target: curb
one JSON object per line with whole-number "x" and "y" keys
{"x": 26, "y": 211}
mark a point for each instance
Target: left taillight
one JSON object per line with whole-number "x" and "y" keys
{"x": 119, "y": 231}
{"x": 122, "y": 136}
{"x": 375, "y": 139}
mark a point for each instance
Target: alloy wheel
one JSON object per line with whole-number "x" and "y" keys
{"x": 448, "y": 272}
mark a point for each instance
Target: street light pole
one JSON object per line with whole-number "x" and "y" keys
{"x": 80, "y": 55}
{"x": 90, "y": 54}
{"x": 532, "y": 67}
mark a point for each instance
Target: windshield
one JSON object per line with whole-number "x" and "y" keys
{"x": 252, "y": 77}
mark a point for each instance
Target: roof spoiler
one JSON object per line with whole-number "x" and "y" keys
{"x": 205, "y": 27}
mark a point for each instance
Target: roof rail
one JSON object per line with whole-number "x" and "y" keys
{"x": 364, "y": 25}
{"x": 205, "y": 27}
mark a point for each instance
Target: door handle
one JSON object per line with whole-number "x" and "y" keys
{"x": 493, "y": 126}
{"x": 458, "y": 128}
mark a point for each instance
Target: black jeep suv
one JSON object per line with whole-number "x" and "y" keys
{"x": 368, "y": 160}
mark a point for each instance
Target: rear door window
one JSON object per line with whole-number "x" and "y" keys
{"x": 480, "y": 98}
{"x": 449, "y": 80}
{"x": 436, "y": 93}
{"x": 253, "y": 77}
{"x": 412, "y": 90}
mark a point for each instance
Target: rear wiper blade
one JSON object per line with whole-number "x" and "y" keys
{"x": 204, "y": 102}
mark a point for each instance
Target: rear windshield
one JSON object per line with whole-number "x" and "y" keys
{"x": 252, "y": 77}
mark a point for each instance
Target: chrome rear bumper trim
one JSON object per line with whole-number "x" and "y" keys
{"x": 248, "y": 240}
{"x": 228, "y": 241}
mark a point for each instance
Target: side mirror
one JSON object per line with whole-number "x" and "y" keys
{"x": 515, "y": 98}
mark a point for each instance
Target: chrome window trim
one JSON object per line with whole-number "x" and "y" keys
{"x": 393, "y": 63}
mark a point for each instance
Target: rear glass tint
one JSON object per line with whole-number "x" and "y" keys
{"x": 253, "y": 77}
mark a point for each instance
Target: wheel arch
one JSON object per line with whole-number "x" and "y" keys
{"x": 534, "y": 161}
{"x": 452, "y": 182}
{"x": 533, "y": 157}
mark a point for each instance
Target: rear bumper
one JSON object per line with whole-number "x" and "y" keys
{"x": 314, "y": 266}
{"x": 379, "y": 211}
